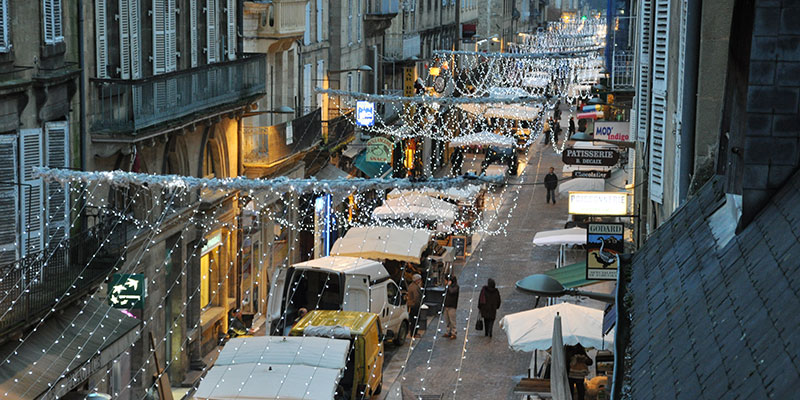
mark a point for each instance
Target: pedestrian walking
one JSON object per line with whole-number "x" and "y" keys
{"x": 488, "y": 303}
{"x": 556, "y": 132}
{"x": 414, "y": 301}
{"x": 450, "y": 305}
{"x": 578, "y": 363}
{"x": 571, "y": 126}
{"x": 546, "y": 131}
{"x": 550, "y": 183}
{"x": 456, "y": 161}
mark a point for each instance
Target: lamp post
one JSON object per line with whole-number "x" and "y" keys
{"x": 546, "y": 286}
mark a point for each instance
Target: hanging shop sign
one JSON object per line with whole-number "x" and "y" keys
{"x": 604, "y": 242}
{"x": 613, "y": 131}
{"x": 597, "y": 156}
{"x": 408, "y": 81}
{"x": 598, "y": 203}
{"x": 127, "y": 291}
{"x": 379, "y": 149}
{"x": 591, "y": 174}
{"x": 365, "y": 113}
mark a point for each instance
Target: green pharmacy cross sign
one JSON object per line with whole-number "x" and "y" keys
{"x": 127, "y": 291}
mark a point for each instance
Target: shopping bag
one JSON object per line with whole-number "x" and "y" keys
{"x": 479, "y": 324}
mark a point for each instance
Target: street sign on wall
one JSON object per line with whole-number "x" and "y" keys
{"x": 602, "y": 157}
{"x": 365, "y": 113}
{"x": 127, "y": 291}
{"x": 379, "y": 149}
{"x": 604, "y": 242}
{"x": 408, "y": 81}
{"x": 598, "y": 203}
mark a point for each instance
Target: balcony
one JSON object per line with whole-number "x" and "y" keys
{"x": 133, "y": 106}
{"x": 270, "y": 27}
{"x": 31, "y": 285}
{"x": 622, "y": 72}
{"x": 268, "y": 147}
{"x": 379, "y": 16}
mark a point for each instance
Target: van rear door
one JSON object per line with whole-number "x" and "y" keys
{"x": 275, "y": 302}
{"x": 356, "y": 293}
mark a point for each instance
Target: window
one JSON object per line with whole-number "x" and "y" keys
{"x": 320, "y": 80}
{"x": 306, "y": 88}
{"x": 350, "y": 21}
{"x": 230, "y": 13}
{"x": 320, "y": 11}
{"x": 129, "y": 48}
{"x": 101, "y": 37}
{"x": 53, "y": 28}
{"x": 9, "y": 195}
{"x": 164, "y": 45}
{"x": 393, "y": 294}
{"x": 58, "y": 209}
{"x": 360, "y": 19}
{"x": 193, "y": 32}
{"x": 33, "y": 205}
{"x": 5, "y": 41}
{"x": 307, "y": 30}
{"x": 212, "y": 45}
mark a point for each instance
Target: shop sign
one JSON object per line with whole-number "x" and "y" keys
{"x": 591, "y": 174}
{"x": 365, "y": 113}
{"x": 127, "y": 291}
{"x": 604, "y": 242}
{"x": 612, "y": 131}
{"x": 379, "y": 149}
{"x": 602, "y": 157}
{"x": 598, "y": 203}
{"x": 408, "y": 81}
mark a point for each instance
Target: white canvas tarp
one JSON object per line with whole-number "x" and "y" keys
{"x": 533, "y": 329}
{"x": 571, "y": 236}
{"x": 272, "y": 367}
{"x": 383, "y": 243}
{"x": 417, "y": 206}
{"x": 464, "y": 195}
{"x": 482, "y": 139}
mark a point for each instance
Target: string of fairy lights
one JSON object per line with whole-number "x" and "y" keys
{"x": 541, "y": 71}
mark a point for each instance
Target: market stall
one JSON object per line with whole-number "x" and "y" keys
{"x": 418, "y": 209}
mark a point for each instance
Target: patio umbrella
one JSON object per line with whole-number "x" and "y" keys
{"x": 559, "y": 384}
{"x": 530, "y": 330}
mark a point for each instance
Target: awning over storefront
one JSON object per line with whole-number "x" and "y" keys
{"x": 372, "y": 169}
{"x": 75, "y": 343}
{"x": 571, "y": 276}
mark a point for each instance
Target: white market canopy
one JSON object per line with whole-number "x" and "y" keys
{"x": 272, "y": 367}
{"x": 482, "y": 139}
{"x": 582, "y": 185}
{"x": 465, "y": 195}
{"x": 383, "y": 243}
{"x": 569, "y": 236}
{"x": 533, "y": 329}
{"x": 505, "y": 111}
{"x": 416, "y": 206}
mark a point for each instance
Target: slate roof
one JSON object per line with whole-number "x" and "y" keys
{"x": 714, "y": 323}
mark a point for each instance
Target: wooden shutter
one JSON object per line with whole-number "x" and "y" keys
{"x": 231, "y": 14}
{"x": 661, "y": 46}
{"x": 307, "y": 25}
{"x": 159, "y": 37}
{"x": 31, "y": 202}
{"x": 643, "y": 76}
{"x": 101, "y": 37}
{"x": 124, "y": 39}
{"x": 52, "y": 26}
{"x": 320, "y": 80}
{"x": 9, "y": 194}
{"x": 134, "y": 13}
{"x": 350, "y": 21}
{"x": 58, "y": 208}
{"x": 306, "y": 88}
{"x": 171, "y": 43}
{"x": 320, "y": 10}
{"x": 5, "y": 40}
{"x": 193, "y": 32}
{"x": 360, "y": 6}
{"x": 658, "y": 110}
{"x": 211, "y": 31}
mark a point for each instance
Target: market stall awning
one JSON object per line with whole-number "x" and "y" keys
{"x": 275, "y": 367}
{"x": 533, "y": 329}
{"x": 482, "y": 139}
{"x": 569, "y": 236}
{"x": 571, "y": 276}
{"x": 371, "y": 169}
{"x": 464, "y": 195}
{"x": 383, "y": 243}
{"x": 73, "y": 350}
{"x": 417, "y": 206}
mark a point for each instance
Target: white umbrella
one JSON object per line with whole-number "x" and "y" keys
{"x": 530, "y": 330}
{"x": 559, "y": 383}
{"x": 560, "y": 236}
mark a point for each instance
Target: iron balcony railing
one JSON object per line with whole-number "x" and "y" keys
{"x": 622, "y": 73}
{"x": 30, "y": 287}
{"x": 128, "y": 106}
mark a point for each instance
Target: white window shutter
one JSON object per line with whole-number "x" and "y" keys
{"x": 360, "y": 6}
{"x": 134, "y": 22}
{"x": 52, "y": 25}
{"x": 349, "y": 21}
{"x": 231, "y": 14}
{"x": 306, "y": 88}
{"x": 9, "y": 195}
{"x": 124, "y": 39}
{"x": 307, "y": 30}
{"x": 5, "y": 40}
{"x": 171, "y": 42}
{"x": 159, "y": 37}
{"x": 643, "y": 76}
{"x": 31, "y": 202}
{"x": 211, "y": 31}
{"x": 658, "y": 128}
{"x": 661, "y": 46}
{"x": 193, "y": 31}
{"x": 320, "y": 12}
{"x": 101, "y": 37}
{"x": 58, "y": 208}
{"x": 320, "y": 80}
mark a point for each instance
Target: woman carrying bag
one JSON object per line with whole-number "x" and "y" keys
{"x": 488, "y": 303}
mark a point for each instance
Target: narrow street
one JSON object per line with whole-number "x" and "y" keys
{"x": 490, "y": 369}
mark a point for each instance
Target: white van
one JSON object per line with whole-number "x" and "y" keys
{"x": 337, "y": 283}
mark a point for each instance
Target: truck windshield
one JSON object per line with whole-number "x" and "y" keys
{"x": 312, "y": 290}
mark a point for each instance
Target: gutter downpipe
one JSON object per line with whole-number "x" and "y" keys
{"x": 81, "y": 88}
{"x": 691, "y": 69}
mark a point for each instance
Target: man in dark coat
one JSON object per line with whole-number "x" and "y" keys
{"x": 550, "y": 183}
{"x": 571, "y": 127}
{"x": 488, "y": 303}
{"x": 450, "y": 305}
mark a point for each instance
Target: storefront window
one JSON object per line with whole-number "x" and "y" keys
{"x": 209, "y": 262}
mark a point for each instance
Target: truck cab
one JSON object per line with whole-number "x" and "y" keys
{"x": 337, "y": 283}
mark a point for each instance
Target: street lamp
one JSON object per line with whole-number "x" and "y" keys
{"x": 546, "y": 286}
